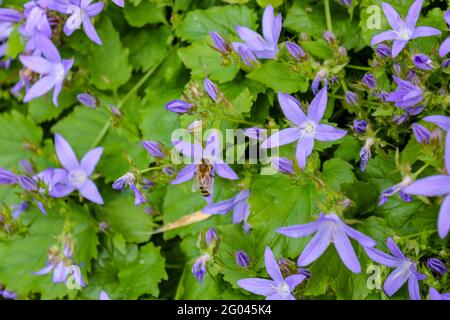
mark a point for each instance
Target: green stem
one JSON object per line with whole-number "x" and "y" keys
{"x": 352, "y": 66}
{"x": 150, "y": 169}
{"x": 418, "y": 172}
{"x": 243, "y": 122}
{"x": 328, "y": 15}
{"x": 418, "y": 234}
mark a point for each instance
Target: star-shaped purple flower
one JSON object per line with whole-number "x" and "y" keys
{"x": 329, "y": 228}
{"x": 406, "y": 270}
{"x": 406, "y": 95}
{"x": 52, "y": 70}
{"x": 276, "y": 289}
{"x": 78, "y": 173}
{"x": 305, "y": 128}
{"x": 267, "y": 47}
{"x": 403, "y": 30}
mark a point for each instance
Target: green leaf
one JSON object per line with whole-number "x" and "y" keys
{"x": 143, "y": 13}
{"x": 143, "y": 275}
{"x": 278, "y": 76}
{"x": 108, "y": 63}
{"x": 265, "y": 3}
{"x": 198, "y": 23}
{"x": 303, "y": 17}
{"x": 205, "y": 61}
{"x": 42, "y": 109}
{"x": 318, "y": 48}
{"x": 337, "y": 172}
{"x": 15, "y": 44}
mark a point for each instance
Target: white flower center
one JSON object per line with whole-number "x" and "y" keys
{"x": 77, "y": 177}
{"x": 309, "y": 128}
{"x": 404, "y": 34}
{"x": 76, "y": 19}
{"x": 283, "y": 289}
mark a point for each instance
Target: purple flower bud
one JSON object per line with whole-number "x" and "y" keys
{"x": 147, "y": 183}
{"x": 415, "y": 110}
{"x": 412, "y": 76}
{"x": 383, "y": 51}
{"x": 126, "y": 180}
{"x": 365, "y": 154}
{"x": 346, "y": 3}
{"x": 219, "y": 42}
{"x": 178, "y": 106}
{"x": 423, "y": 62}
{"x": 256, "y": 133}
{"x": 282, "y": 165}
{"x": 27, "y": 183}
{"x": 153, "y": 148}
{"x": 445, "y": 63}
{"x": 8, "y": 294}
{"x": 199, "y": 267}
{"x": 369, "y": 80}
{"x": 242, "y": 259}
{"x": 115, "y": 111}
{"x": 437, "y": 266}
{"x": 351, "y": 98}
{"x": 87, "y": 100}
{"x": 211, "y": 89}
{"x": 19, "y": 209}
{"x": 210, "y": 236}
{"x": 342, "y": 51}
{"x": 168, "y": 171}
{"x": 329, "y": 37}
{"x": 421, "y": 133}
{"x": 149, "y": 210}
{"x": 359, "y": 126}
{"x": 103, "y": 226}
{"x": 304, "y": 272}
{"x": 334, "y": 79}
{"x": 27, "y": 167}
{"x": 139, "y": 197}
{"x": 399, "y": 119}
{"x": 7, "y": 177}
{"x": 246, "y": 54}
{"x": 295, "y": 50}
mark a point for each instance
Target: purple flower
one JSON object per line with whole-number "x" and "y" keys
{"x": 445, "y": 46}
{"x": 178, "y": 106}
{"x": 295, "y": 50}
{"x": 305, "y": 128}
{"x": 435, "y": 295}
{"x": 27, "y": 167}
{"x": 139, "y": 197}
{"x": 359, "y": 126}
{"x": 406, "y": 95}
{"x": 52, "y": 70}
{"x": 329, "y": 229}
{"x": 398, "y": 188}
{"x": 256, "y": 133}
{"x": 365, "y": 154}
{"x": 211, "y": 155}
{"x": 242, "y": 259}
{"x": 342, "y": 51}
{"x": 421, "y": 133}
{"x": 267, "y": 47}
{"x": 58, "y": 266}
{"x": 211, "y": 89}
{"x": 220, "y": 44}
{"x": 329, "y": 37}
{"x": 103, "y": 294}
{"x": 8, "y": 294}
{"x": 383, "y": 51}
{"x": 283, "y": 165}
{"x": 128, "y": 179}
{"x": 406, "y": 270}
{"x": 81, "y": 12}
{"x": 351, "y": 98}
{"x": 346, "y": 3}
{"x": 245, "y": 53}
{"x": 78, "y": 173}
{"x": 369, "y": 80}
{"x": 442, "y": 122}
{"x": 437, "y": 266}
{"x": 445, "y": 63}
{"x": 239, "y": 205}
{"x": 7, "y": 177}
{"x": 199, "y": 267}
{"x": 211, "y": 235}
{"x": 403, "y": 30}
{"x": 8, "y": 17}
{"x": 423, "y": 62}
{"x": 153, "y": 148}
{"x": 87, "y": 100}
{"x": 120, "y": 3}
{"x": 168, "y": 171}
{"x": 19, "y": 209}
{"x": 277, "y": 289}
{"x": 321, "y": 76}
{"x": 436, "y": 186}
{"x": 26, "y": 183}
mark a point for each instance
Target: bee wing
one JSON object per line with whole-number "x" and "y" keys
{"x": 195, "y": 183}
{"x": 205, "y": 182}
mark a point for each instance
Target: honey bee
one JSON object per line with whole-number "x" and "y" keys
{"x": 202, "y": 179}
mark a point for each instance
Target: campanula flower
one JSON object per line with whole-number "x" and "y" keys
{"x": 52, "y": 70}
{"x": 329, "y": 228}
{"x": 442, "y": 122}
{"x": 421, "y": 133}
{"x": 405, "y": 270}
{"x": 212, "y": 154}
{"x": 278, "y": 288}
{"x": 8, "y": 18}
{"x": 406, "y": 95}
{"x": 8, "y": 294}
{"x": 199, "y": 267}
{"x": 445, "y": 63}
{"x": 295, "y": 50}
{"x": 365, "y": 153}
{"x": 351, "y": 98}
{"x": 267, "y": 47}
{"x": 305, "y": 128}
{"x": 245, "y": 53}
{"x": 242, "y": 259}
{"x": 423, "y": 62}
{"x": 383, "y": 51}
{"x": 87, "y": 100}
{"x": 436, "y": 186}
{"x": 398, "y": 188}
{"x": 153, "y": 148}
{"x": 78, "y": 173}
{"x": 445, "y": 46}
{"x": 320, "y": 77}
{"x": 81, "y": 12}
{"x": 329, "y": 37}
{"x": 359, "y": 126}
{"x": 210, "y": 236}
{"x": 435, "y": 295}
{"x": 7, "y": 177}
{"x": 219, "y": 43}
{"x": 283, "y": 165}
{"x": 178, "y": 106}
{"x": 37, "y": 29}
{"x": 211, "y": 89}
{"x": 369, "y": 80}
{"x": 128, "y": 179}
{"x": 403, "y": 30}
{"x": 239, "y": 204}
{"x": 437, "y": 266}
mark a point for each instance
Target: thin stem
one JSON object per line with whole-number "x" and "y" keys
{"x": 418, "y": 172}
{"x": 150, "y": 169}
{"x": 243, "y": 122}
{"x": 352, "y": 66}
{"x": 328, "y": 15}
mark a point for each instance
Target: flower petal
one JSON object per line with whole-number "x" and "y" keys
{"x": 396, "y": 280}
{"x": 444, "y": 218}
{"x": 280, "y": 296}
{"x": 445, "y": 47}
{"x": 94, "y": 9}
{"x": 291, "y": 108}
{"x": 430, "y": 186}
{"x": 304, "y": 148}
{"x": 345, "y": 250}
{"x": 257, "y": 286}
{"x": 185, "y": 174}
{"x": 281, "y": 137}
{"x": 392, "y": 16}
{"x": 383, "y": 36}
{"x": 90, "y": 191}
{"x": 39, "y": 88}
{"x": 413, "y": 14}
{"x": 193, "y": 151}
{"x": 318, "y": 106}
{"x": 91, "y": 159}
{"x": 425, "y": 32}
{"x": 397, "y": 47}
{"x": 225, "y": 171}
{"x": 65, "y": 153}
{"x": 90, "y": 31}
{"x": 251, "y": 38}
{"x": 316, "y": 247}
{"x": 382, "y": 258}
{"x": 413, "y": 288}
{"x": 394, "y": 249}
{"x": 294, "y": 280}
{"x": 360, "y": 237}
{"x": 272, "y": 267}
{"x": 221, "y": 207}
{"x": 37, "y": 64}
{"x": 442, "y": 122}
{"x": 301, "y": 230}
{"x": 326, "y": 132}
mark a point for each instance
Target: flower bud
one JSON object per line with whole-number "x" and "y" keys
{"x": 242, "y": 259}
{"x": 369, "y": 80}
{"x": 178, "y": 106}
{"x": 421, "y": 133}
{"x": 437, "y": 266}
{"x": 351, "y": 98}
{"x": 219, "y": 42}
{"x": 295, "y": 50}
{"x": 283, "y": 165}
